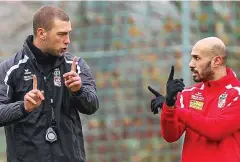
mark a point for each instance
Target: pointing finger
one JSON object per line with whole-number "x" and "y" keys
{"x": 34, "y": 82}
{"x": 171, "y": 74}
{"x": 73, "y": 68}
{"x": 153, "y": 91}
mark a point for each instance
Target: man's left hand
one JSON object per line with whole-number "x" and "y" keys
{"x": 72, "y": 79}
{"x": 156, "y": 103}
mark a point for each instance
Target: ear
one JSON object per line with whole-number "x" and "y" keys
{"x": 41, "y": 33}
{"x": 217, "y": 61}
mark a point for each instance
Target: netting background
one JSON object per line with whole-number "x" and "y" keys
{"x": 128, "y": 45}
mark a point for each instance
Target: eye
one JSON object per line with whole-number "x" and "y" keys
{"x": 196, "y": 58}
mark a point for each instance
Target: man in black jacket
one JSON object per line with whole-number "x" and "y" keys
{"x": 42, "y": 90}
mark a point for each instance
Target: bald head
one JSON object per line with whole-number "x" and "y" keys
{"x": 212, "y": 46}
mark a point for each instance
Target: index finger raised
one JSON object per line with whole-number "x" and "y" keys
{"x": 34, "y": 82}
{"x": 74, "y": 63}
{"x": 170, "y": 77}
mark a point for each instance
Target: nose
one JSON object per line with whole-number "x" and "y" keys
{"x": 191, "y": 64}
{"x": 67, "y": 40}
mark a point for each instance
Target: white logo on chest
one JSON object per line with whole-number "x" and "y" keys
{"x": 27, "y": 75}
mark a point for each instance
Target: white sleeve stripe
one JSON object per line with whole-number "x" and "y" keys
{"x": 24, "y": 60}
{"x": 181, "y": 101}
{"x": 235, "y": 99}
{"x": 236, "y": 88}
{"x": 185, "y": 90}
{"x": 70, "y": 62}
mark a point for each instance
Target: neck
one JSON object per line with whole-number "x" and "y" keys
{"x": 37, "y": 44}
{"x": 220, "y": 72}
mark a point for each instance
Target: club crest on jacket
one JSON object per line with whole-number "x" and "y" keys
{"x": 57, "y": 77}
{"x": 222, "y": 100}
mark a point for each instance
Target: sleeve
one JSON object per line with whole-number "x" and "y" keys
{"x": 9, "y": 112}
{"x": 171, "y": 128}
{"x": 85, "y": 100}
{"x": 213, "y": 128}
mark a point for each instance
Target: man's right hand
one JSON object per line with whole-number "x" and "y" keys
{"x": 173, "y": 87}
{"x": 33, "y": 98}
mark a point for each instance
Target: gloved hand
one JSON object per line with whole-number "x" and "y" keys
{"x": 173, "y": 87}
{"x": 156, "y": 103}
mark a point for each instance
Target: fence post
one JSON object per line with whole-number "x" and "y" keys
{"x": 185, "y": 21}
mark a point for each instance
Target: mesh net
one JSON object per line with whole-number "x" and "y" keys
{"x": 129, "y": 45}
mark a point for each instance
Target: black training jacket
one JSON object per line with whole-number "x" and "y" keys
{"x": 25, "y": 132}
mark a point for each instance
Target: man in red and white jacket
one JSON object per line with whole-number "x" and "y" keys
{"x": 208, "y": 112}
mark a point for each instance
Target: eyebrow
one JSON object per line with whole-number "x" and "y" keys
{"x": 195, "y": 55}
{"x": 63, "y": 32}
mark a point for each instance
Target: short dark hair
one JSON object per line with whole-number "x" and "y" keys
{"x": 45, "y": 16}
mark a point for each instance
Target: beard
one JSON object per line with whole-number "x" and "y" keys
{"x": 49, "y": 49}
{"x": 207, "y": 74}
{"x": 54, "y": 52}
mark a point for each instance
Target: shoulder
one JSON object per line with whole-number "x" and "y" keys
{"x": 233, "y": 88}
{"x": 69, "y": 58}
{"x": 9, "y": 66}
{"x": 13, "y": 62}
{"x": 81, "y": 65}
{"x": 192, "y": 88}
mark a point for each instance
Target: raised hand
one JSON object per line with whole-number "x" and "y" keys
{"x": 33, "y": 98}
{"x": 172, "y": 88}
{"x": 72, "y": 79}
{"x": 156, "y": 103}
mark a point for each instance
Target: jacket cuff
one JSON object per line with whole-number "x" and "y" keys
{"x": 24, "y": 112}
{"x": 169, "y": 111}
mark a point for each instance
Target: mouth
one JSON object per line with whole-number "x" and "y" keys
{"x": 194, "y": 73}
{"x": 63, "y": 50}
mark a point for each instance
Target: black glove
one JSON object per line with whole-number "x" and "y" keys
{"x": 157, "y": 102}
{"x": 173, "y": 87}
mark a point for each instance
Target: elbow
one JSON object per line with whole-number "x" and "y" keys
{"x": 85, "y": 106}
{"x": 92, "y": 109}
{"x": 170, "y": 140}
{"x": 169, "y": 137}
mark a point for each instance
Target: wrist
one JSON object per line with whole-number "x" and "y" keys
{"x": 171, "y": 107}
{"x": 170, "y": 102}
{"x": 77, "y": 93}
{"x": 24, "y": 111}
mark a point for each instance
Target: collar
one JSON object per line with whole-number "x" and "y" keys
{"x": 42, "y": 58}
{"x": 224, "y": 81}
